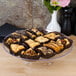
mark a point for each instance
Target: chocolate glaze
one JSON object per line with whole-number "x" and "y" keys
{"x": 64, "y": 42}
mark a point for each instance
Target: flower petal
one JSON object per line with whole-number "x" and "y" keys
{"x": 63, "y": 3}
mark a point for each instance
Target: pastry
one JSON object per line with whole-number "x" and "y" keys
{"x": 54, "y": 46}
{"x": 11, "y": 39}
{"x": 37, "y": 32}
{"x": 31, "y": 43}
{"x": 30, "y": 54}
{"x": 41, "y": 39}
{"x": 45, "y": 52}
{"x": 52, "y": 35}
{"x": 65, "y": 41}
{"x": 16, "y": 49}
{"x": 31, "y": 35}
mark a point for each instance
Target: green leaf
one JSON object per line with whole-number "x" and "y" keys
{"x": 47, "y": 4}
{"x": 50, "y": 7}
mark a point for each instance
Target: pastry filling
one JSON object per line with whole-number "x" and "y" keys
{"x": 29, "y": 52}
{"x": 56, "y": 47}
{"x": 10, "y": 40}
{"x": 45, "y": 51}
{"x": 41, "y": 39}
{"x": 32, "y": 43}
{"x": 51, "y": 35}
{"x": 16, "y": 47}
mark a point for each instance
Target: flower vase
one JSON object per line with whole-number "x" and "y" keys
{"x": 53, "y": 25}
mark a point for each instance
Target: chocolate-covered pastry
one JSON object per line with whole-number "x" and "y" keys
{"x": 22, "y": 35}
{"x": 11, "y": 39}
{"x": 65, "y": 41}
{"x": 15, "y": 49}
{"x": 54, "y": 46}
{"x": 31, "y": 35}
{"x": 45, "y": 52}
{"x": 52, "y": 35}
{"x": 37, "y": 31}
{"x": 31, "y": 43}
{"x": 41, "y": 39}
{"x": 30, "y": 54}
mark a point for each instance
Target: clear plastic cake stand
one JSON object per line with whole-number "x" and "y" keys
{"x": 42, "y": 60}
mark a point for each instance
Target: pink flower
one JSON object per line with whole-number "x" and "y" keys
{"x": 61, "y": 3}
